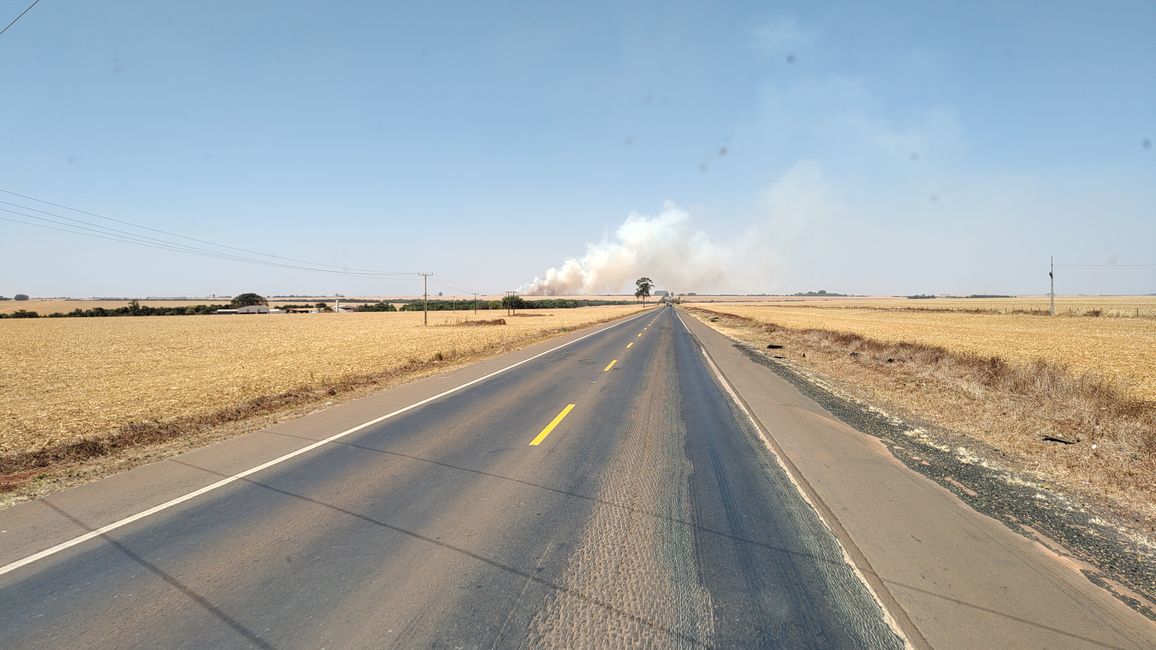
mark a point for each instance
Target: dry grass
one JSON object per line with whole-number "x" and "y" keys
{"x": 1104, "y": 306}
{"x": 1121, "y": 351}
{"x": 71, "y": 387}
{"x": 1011, "y": 406}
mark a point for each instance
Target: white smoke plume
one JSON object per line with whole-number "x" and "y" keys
{"x": 664, "y": 247}
{"x": 669, "y": 249}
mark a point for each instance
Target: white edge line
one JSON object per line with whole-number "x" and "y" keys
{"x": 891, "y": 622}
{"x": 8, "y": 568}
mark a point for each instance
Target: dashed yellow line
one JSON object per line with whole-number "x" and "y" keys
{"x": 550, "y": 427}
{"x": 610, "y": 365}
{"x": 630, "y": 344}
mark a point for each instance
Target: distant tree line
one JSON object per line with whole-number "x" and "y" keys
{"x": 134, "y": 308}
{"x": 820, "y": 292}
{"x": 377, "y": 306}
{"x": 515, "y": 302}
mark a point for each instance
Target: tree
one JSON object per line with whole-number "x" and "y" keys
{"x": 512, "y": 303}
{"x": 247, "y": 299}
{"x": 643, "y": 288}
{"x": 20, "y": 296}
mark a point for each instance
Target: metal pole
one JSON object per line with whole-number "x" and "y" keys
{"x": 1052, "y": 277}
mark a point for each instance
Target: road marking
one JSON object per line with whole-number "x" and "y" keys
{"x": 630, "y": 344}
{"x": 550, "y": 427}
{"x": 8, "y": 568}
{"x": 640, "y": 335}
{"x": 610, "y": 365}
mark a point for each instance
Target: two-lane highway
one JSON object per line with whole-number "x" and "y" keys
{"x": 606, "y": 493}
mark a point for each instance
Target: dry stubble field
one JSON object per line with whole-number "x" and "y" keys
{"x": 1121, "y": 350}
{"x": 71, "y": 379}
{"x": 1109, "y": 306}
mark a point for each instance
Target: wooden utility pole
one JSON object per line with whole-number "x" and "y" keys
{"x": 1052, "y": 277}
{"x": 425, "y": 297}
{"x": 475, "y": 303}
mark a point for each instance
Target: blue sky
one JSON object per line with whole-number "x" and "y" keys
{"x": 888, "y": 148}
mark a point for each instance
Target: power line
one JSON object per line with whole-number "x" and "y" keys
{"x": 89, "y": 229}
{"x": 1107, "y": 266}
{"x": 185, "y": 237}
{"x": 130, "y": 223}
{"x": 179, "y": 249}
{"x": 454, "y": 285}
{"x": 19, "y": 17}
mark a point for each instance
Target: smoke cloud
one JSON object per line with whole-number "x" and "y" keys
{"x": 680, "y": 257}
{"x": 665, "y": 247}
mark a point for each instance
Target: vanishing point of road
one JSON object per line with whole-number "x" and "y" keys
{"x": 615, "y": 487}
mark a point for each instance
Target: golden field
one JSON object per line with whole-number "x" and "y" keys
{"x": 1119, "y": 349}
{"x": 1110, "y": 306}
{"x": 67, "y": 379}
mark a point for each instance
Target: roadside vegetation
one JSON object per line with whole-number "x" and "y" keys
{"x": 1063, "y": 419}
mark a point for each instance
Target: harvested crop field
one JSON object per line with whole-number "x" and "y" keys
{"x": 1105, "y": 306}
{"x": 73, "y": 379}
{"x": 1120, "y": 350}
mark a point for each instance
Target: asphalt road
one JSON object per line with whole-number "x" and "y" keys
{"x": 651, "y": 513}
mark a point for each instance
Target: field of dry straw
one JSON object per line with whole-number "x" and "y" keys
{"x": 71, "y": 379}
{"x": 1121, "y": 350}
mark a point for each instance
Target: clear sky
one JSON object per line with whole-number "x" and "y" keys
{"x": 868, "y": 147}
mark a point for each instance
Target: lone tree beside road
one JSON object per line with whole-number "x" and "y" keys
{"x": 643, "y": 289}
{"x": 247, "y": 299}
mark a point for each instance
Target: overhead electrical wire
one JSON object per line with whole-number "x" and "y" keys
{"x": 187, "y": 238}
{"x": 87, "y": 228}
{"x": 26, "y": 10}
{"x": 453, "y": 285}
{"x": 1106, "y": 266}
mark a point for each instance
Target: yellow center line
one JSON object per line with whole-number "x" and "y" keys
{"x": 639, "y": 335}
{"x": 630, "y": 344}
{"x": 610, "y": 365}
{"x": 550, "y": 427}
